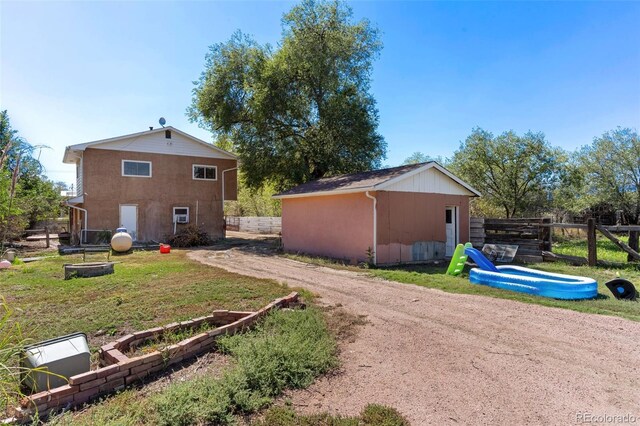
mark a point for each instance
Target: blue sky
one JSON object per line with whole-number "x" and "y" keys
{"x": 72, "y": 72}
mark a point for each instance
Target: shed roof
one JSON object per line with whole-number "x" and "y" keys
{"x": 367, "y": 181}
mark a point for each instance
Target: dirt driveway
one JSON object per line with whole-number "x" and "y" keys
{"x": 443, "y": 358}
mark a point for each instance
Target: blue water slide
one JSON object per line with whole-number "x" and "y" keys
{"x": 480, "y": 259}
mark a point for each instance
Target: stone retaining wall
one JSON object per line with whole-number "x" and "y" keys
{"x": 118, "y": 370}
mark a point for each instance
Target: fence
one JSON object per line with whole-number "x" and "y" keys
{"x": 253, "y": 224}
{"x": 533, "y": 236}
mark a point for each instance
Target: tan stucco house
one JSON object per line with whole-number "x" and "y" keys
{"x": 411, "y": 213}
{"x": 152, "y": 183}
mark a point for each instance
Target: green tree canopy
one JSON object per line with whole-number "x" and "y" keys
{"x": 514, "y": 173}
{"x": 301, "y": 111}
{"x": 26, "y": 195}
{"x": 419, "y": 157}
{"x": 611, "y": 166}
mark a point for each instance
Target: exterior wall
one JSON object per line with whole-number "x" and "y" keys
{"x": 171, "y": 185}
{"x": 409, "y": 221}
{"x": 156, "y": 142}
{"x": 338, "y": 226}
{"x": 431, "y": 181}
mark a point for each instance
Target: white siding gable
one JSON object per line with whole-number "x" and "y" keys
{"x": 157, "y": 143}
{"x": 429, "y": 181}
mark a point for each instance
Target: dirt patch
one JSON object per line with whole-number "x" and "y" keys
{"x": 444, "y": 358}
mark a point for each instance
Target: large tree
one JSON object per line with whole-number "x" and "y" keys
{"x": 514, "y": 173}
{"x": 301, "y": 111}
{"x": 26, "y": 195}
{"x": 611, "y": 165}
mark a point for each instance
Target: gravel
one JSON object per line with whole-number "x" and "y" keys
{"x": 450, "y": 358}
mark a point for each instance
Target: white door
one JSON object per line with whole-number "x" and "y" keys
{"x": 129, "y": 219}
{"x": 451, "y": 231}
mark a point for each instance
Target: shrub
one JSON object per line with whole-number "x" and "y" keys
{"x": 287, "y": 350}
{"x": 189, "y": 236}
{"x": 11, "y": 343}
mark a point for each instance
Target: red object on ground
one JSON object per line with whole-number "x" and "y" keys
{"x": 165, "y": 248}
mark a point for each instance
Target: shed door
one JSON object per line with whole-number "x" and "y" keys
{"x": 451, "y": 226}
{"x": 129, "y": 219}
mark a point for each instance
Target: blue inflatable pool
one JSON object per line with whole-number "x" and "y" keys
{"x": 525, "y": 280}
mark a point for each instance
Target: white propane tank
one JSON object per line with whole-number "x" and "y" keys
{"x": 121, "y": 241}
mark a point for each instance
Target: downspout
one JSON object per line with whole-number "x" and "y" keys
{"x": 85, "y": 217}
{"x": 223, "y": 172}
{"x": 375, "y": 228}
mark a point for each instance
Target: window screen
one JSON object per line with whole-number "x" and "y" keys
{"x": 205, "y": 172}
{"x": 136, "y": 168}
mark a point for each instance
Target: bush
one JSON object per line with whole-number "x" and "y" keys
{"x": 287, "y": 350}
{"x": 11, "y": 343}
{"x": 189, "y": 236}
{"x": 372, "y": 415}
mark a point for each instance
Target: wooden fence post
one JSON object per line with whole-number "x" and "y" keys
{"x": 46, "y": 233}
{"x": 544, "y": 233}
{"x": 633, "y": 244}
{"x": 591, "y": 242}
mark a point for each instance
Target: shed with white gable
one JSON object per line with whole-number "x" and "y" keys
{"x": 411, "y": 213}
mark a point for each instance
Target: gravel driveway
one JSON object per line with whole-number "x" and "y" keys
{"x": 443, "y": 358}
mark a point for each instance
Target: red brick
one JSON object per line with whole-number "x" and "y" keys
{"x": 84, "y": 396}
{"x": 154, "y": 356}
{"x": 62, "y": 391}
{"x": 123, "y": 342}
{"x": 171, "y": 327}
{"x": 122, "y": 373}
{"x": 107, "y": 371}
{"x": 108, "y": 347}
{"x": 135, "y": 377}
{"x": 35, "y": 399}
{"x": 82, "y": 378}
{"x": 112, "y": 385}
{"x": 92, "y": 384}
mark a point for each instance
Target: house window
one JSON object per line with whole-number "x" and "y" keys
{"x": 167, "y": 134}
{"x": 205, "y": 172}
{"x": 136, "y": 168}
{"x": 181, "y": 214}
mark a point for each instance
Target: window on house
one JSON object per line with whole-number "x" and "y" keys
{"x": 167, "y": 134}
{"x": 181, "y": 214}
{"x": 205, "y": 172}
{"x": 136, "y": 168}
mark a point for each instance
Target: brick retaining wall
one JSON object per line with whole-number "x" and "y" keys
{"x": 118, "y": 370}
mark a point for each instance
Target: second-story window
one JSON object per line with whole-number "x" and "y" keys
{"x": 136, "y": 168}
{"x": 201, "y": 172}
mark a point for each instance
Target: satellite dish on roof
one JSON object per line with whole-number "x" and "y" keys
{"x": 162, "y": 121}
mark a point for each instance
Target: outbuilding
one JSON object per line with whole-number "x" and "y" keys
{"x": 412, "y": 213}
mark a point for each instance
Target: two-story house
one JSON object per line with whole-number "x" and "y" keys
{"x": 152, "y": 183}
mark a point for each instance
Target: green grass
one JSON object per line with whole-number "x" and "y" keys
{"x": 435, "y": 277}
{"x": 148, "y": 289}
{"x": 606, "y": 249}
{"x": 372, "y": 415}
{"x": 289, "y": 349}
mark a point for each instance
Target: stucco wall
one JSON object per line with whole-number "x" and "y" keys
{"x": 338, "y": 226}
{"x": 171, "y": 185}
{"x": 406, "y": 218}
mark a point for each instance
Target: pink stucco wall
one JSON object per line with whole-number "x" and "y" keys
{"x": 405, "y": 218}
{"x": 338, "y": 226}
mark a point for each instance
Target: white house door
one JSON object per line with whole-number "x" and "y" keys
{"x": 129, "y": 219}
{"x": 451, "y": 227}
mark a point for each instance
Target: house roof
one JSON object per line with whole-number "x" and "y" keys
{"x": 70, "y": 153}
{"x": 373, "y": 180}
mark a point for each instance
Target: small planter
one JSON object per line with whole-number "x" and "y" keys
{"x": 86, "y": 270}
